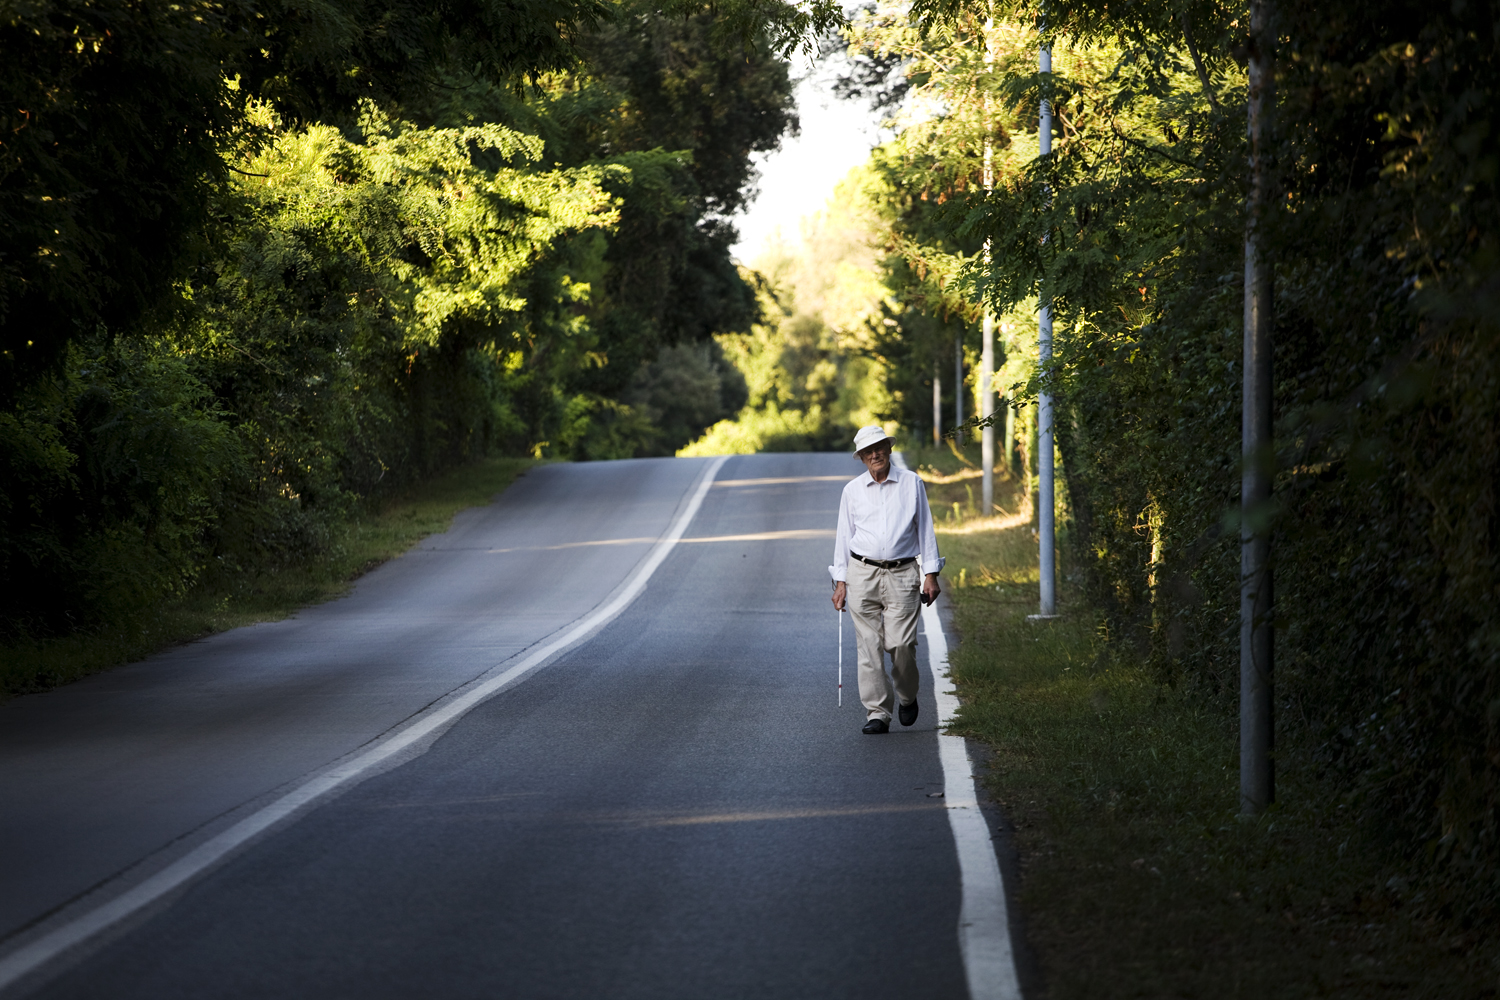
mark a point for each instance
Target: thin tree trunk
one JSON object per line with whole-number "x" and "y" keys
{"x": 1257, "y": 638}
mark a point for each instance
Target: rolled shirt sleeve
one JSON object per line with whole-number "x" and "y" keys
{"x": 840, "y": 567}
{"x": 931, "y": 560}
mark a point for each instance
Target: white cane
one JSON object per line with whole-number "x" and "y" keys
{"x": 841, "y": 640}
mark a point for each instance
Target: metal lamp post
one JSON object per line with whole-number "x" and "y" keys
{"x": 1046, "y": 512}
{"x": 987, "y": 352}
{"x": 1257, "y": 634}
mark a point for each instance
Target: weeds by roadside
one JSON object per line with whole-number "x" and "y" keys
{"x": 228, "y": 601}
{"x": 1138, "y": 879}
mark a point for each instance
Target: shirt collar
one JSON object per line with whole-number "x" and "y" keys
{"x": 890, "y": 477}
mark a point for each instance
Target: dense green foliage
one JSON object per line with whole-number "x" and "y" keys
{"x": 1388, "y": 383}
{"x": 916, "y": 187}
{"x": 259, "y": 265}
{"x": 121, "y": 118}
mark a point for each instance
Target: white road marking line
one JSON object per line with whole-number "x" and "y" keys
{"x": 760, "y": 536}
{"x": 33, "y": 956}
{"x": 644, "y": 540}
{"x": 767, "y": 536}
{"x": 983, "y": 927}
{"x": 789, "y": 479}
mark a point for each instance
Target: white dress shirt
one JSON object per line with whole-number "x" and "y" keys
{"x": 889, "y": 520}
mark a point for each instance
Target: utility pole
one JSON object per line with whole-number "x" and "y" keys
{"x": 937, "y": 405}
{"x": 987, "y": 411}
{"x": 1010, "y": 434}
{"x": 958, "y": 390}
{"x": 1257, "y": 635}
{"x": 1046, "y": 526}
{"x": 987, "y": 354}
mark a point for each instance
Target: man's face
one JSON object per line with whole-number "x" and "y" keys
{"x": 877, "y": 459}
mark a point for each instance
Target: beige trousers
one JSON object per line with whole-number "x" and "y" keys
{"x": 885, "y": 607}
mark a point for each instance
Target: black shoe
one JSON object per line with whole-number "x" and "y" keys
{"x": 908, "y": 713}
{"x": 876, "y": 726}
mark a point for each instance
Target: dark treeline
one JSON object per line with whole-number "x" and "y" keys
{"x": 1387, "y": 409}
{"x": 260, "y": 263}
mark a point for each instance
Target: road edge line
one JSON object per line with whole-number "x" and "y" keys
{"x": 983, "y": 922}
{"x": 33, "y": 956}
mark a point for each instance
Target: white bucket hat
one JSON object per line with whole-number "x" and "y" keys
{"x": 873, "y": 434}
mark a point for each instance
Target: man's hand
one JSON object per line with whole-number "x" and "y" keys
{"x": 839, "y": 592}
{"x": 930, "y": 587}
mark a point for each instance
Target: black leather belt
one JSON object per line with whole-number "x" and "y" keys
{"x": 884, "y": 563}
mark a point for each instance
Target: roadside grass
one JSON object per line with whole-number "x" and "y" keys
{"x": 1138, "y": 879}
{"x": 224, "y": 602}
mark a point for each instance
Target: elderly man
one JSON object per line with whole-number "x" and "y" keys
{"x": 885, "y": 526}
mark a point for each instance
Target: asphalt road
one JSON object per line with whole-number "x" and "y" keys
{"x": 673, "y": 808}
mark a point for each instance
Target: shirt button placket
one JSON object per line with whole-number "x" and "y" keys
{"x": 885, "y": 518}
